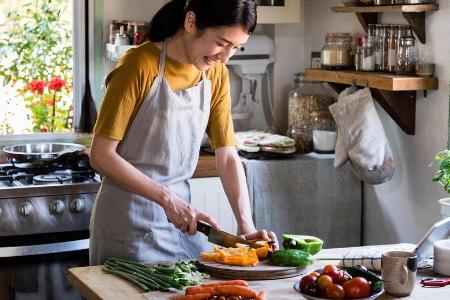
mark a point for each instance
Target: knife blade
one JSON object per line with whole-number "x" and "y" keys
{"x": 218, "y": 237}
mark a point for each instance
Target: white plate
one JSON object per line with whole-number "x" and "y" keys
{"x": 309, "y": 297}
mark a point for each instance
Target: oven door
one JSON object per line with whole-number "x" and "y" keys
{"x": 39, "y": 270}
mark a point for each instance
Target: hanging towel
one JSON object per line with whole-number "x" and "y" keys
{"x": 340, "y": 151}
{"x": 360, "y": 128}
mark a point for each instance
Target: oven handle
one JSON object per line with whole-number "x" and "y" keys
{"x": 19, "y": 251}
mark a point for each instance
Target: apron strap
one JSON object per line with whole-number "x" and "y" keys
{"x": 162, "y": 59}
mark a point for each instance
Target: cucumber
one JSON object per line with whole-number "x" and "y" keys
{"x": 292, "y": 257}
{"x": 308, "y": 243}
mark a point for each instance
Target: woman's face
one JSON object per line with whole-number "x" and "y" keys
{"x": 215, "y": 44}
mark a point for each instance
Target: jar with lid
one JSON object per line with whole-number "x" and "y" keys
{"x": 306, "y": 98}
{"x": 336, "y": 52}
{"x": 406, "y": 56}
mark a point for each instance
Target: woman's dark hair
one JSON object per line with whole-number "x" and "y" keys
{"x": 209, "y": 14}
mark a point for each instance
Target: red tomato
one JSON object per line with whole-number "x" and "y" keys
{"x": 335, "y": 291}
{"x": 324, "y": 281}
{"x": 332, "y": 271}
{"x": 342, "y": 277}
{"x": 305, "y": 280}
{"x": 357, "y": 287}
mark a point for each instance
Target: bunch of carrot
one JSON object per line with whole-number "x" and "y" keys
{"x": 222, "y": 290}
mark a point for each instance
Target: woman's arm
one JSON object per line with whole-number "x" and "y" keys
{"x": 106, "y": 160}
{"x": 233, "y": 179}
{"x": 232, "y": 175}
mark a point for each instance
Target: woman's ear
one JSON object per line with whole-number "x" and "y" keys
{"x": 189, "y": 22}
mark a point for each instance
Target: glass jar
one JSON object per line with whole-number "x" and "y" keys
{"x": 306, "y": 98}
{"x": 337, "y": 50}
{"x": 406, "y": 56}
{"x": 324, "y": 132}
{"x": 368, "y": 54}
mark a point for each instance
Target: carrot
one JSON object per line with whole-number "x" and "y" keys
{"x": 227, "y": 282}
{"x": 235, "y": 290}
{"x": 193, "y": 290}
{"x": 261, "y": 296}
{"x": 202, "y": 296}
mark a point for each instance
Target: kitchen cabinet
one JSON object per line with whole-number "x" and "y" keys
{"x": 289, "y": 13}
{"x": 208, "y": 196}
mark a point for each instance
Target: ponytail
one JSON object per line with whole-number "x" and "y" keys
{"x": 209, "y": 14}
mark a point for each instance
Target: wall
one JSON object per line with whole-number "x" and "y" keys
{"x": 402, "y": 209}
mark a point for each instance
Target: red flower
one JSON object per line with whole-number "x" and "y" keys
{"x": 56, "y": 84}
{"x": 37, "y": 86}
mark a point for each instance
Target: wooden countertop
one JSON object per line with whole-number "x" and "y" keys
{"x": 94, "y": 284}
{"x": 206, "y": 166}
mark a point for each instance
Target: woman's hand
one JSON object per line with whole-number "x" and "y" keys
{"x": 184, "y": 216}
{"x": 262, "y": 235}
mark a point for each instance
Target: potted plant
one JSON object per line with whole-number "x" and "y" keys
{"x": 443, "y": 177}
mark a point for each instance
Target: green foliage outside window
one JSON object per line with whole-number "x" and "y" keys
{"x": 36, "y": 58}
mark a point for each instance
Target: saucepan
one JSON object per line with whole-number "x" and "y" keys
{"x": 42, "y": 154}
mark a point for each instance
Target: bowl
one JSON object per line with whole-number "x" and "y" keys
{"x": 425, "y": 69}
{"x": 309, "y": 297}
{"x": 323, "y": 140}
{"x": 441, "y": 264}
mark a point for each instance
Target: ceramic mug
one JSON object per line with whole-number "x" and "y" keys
{"x": 398, "y": 271}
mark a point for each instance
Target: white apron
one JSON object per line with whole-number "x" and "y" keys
{"x": 164, "y": 143}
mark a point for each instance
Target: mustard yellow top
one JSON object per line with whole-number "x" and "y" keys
{"x": 129, "y": 83}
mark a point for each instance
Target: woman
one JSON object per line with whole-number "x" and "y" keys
{"x": 159, "y": 101}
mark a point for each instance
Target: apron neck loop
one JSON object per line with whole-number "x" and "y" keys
{"x": 162, "y": 58}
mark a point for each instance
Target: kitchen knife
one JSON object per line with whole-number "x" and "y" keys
{"x": 223, "y": 238}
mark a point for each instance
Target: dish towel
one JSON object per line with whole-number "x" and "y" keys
{"x": 360, "y": 130}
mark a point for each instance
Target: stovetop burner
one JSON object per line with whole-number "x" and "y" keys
{"x": 80, "y": 172}
{"x": 51, "y": 179}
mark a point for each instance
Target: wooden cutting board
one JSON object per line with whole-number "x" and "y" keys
{"x": 265, "y": 270}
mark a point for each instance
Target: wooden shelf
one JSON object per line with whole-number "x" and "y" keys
{"x": 396, "y": 94}
{"x": 387, "y": 9}
{"x": 382, "y": 81}
{"x": 413, "y": 14}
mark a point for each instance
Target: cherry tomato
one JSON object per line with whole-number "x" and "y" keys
{"x": 305, "y": 280}
{"x": 332, "y": 271}
{"x": 324, "y": 281}
{"x": 312, "y": 289}
{"x": 342, "y": 277}
{"x": 357, "y": 287}
{"x": 335, "y": 291}
{"x": 315, "y": 274}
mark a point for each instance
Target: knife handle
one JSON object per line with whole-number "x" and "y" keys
{"x": 203, "y": 227}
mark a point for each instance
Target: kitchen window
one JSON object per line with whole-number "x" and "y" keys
{"x": 42, "y": 53}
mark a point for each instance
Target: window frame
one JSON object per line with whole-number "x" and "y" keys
{"x": 79, "y": 73}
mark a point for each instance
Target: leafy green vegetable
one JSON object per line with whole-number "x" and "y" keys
{"x": 443, "y": 174}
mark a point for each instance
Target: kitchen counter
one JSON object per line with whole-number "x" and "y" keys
{"x": 94, "y": 284}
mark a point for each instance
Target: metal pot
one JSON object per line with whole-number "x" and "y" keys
{"x": 42, "y": 154}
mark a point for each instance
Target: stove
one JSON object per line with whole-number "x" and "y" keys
{"x": 46, "y": 199}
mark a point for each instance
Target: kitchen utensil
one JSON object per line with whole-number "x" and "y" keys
{"x": 264, "y": 270}
{"x": 223, "y": 238}
{"x": 435, "y": 282}
{"x": 42, "y": 154}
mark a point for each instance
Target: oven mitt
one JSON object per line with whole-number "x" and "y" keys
{"x": 364, "y": 138}
{"x": 340, "y": 151}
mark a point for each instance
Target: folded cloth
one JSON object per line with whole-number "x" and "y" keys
{"x": 370, "y": 256}
{"x": 364, "y": 138}
{"x": 340, "y": 151}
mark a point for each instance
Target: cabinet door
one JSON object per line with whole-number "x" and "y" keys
{"x": 289, "y": 13}
{"x": 208, "y": 196}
